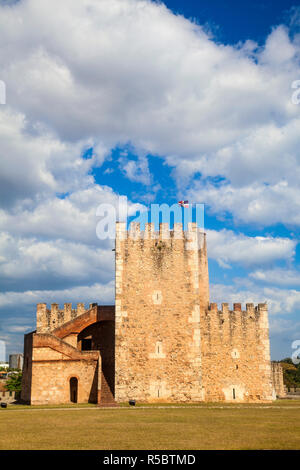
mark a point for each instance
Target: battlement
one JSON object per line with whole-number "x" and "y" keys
{"x": 194, "y": 237}
{"x": 237, "y": 308}
{"x": 49, "y": 319}
{"x": 254, "y": 318}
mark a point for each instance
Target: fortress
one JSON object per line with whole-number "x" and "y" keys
{"x": 161, "y": 342}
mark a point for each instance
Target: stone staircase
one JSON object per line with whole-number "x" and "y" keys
{"x": 107, "y": 398}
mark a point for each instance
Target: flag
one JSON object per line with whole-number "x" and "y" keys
{"x": 183, "y": 203}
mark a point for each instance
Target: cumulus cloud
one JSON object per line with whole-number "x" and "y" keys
{"x": 72, "y": 217}
{"x": 260, "y": 204}
{"x": 227, "y": 247}
{"x": 279, "y": 326}
{"x": 100, "y": 293}
{"x": 50, "y": 264}
{"x": 123, "y": 71}
{"x": 136, "y": 170}
{"x": 280, "y": 301}
{"x": 37, "y": 165}
{"x": 279, "y": 276}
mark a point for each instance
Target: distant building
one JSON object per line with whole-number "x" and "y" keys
{"x": 4, "y": 364}
{"x": 16, "y": 361}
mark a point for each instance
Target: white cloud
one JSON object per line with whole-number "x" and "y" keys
{"x": 278, "y": 49}
{"x": 136, "y": 170}
{"x": 280, "y": 301}
{"x": 118, "y": 71}
{"x": 256, "y": 203}
{"x": 52, "y": 262}
{"x": 279, "y": 276}
{"x": 100, "y": 293}
{"x": 71, "y": 218}
{"x": 227, "y": 247}
{"x": 37, "y": 165}
{"x": 280, "y": 326}
{"x": 18, "y": 328}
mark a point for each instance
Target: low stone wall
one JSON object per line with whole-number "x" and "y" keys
{"x": 293, "y": 390}
{"x": 279, "y": 390}
{"x": 8, "y": 397}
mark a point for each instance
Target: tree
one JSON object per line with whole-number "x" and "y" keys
{"x": 288, "y": 360}
{"x": 291, "y": 373}
{"x": 13, "y": 384}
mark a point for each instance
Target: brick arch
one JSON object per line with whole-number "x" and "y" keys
{"x": 94, "y": 315}
{"x": 71, "y": 376}
{"x": 94, "y": 329}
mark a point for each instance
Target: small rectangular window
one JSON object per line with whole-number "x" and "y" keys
{"x": 86, "y": 345}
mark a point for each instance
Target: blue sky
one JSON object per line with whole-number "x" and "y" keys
{"x": 233, "y": 21}
{"x": 158, "y": 102}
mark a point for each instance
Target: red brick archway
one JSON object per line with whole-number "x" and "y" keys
{"x": 94, "y": 315}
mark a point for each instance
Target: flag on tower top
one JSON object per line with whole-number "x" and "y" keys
{"x": 183, "y": 203}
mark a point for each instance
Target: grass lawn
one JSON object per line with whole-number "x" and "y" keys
{"x": 210, "y": 426}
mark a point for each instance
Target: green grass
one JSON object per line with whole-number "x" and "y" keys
{"x": 209, "y": 426}
{"x": 16, "y": 407}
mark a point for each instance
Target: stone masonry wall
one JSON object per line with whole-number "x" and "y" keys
{"x": 161, "y": 288}
{"x": 277, "y": 379}
{"x": 54, "y": 362}
{"x": 51, "y": 381}
{"x": 47, "y": 320}
{"x": 236, "y": 354}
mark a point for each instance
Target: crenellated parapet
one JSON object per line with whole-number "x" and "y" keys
{"x": 192, "y": 234}
{"x": 246, "y": 327}
{"x": 238, "y": 316}
{"x": 48, "y": 320}
{"x": 251, "y": 309}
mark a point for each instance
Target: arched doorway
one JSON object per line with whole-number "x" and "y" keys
{"x": 73, "y": 389}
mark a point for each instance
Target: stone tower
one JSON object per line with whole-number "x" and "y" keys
{"x": 161, "y": 290}
{"x": 170, "y": 343}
